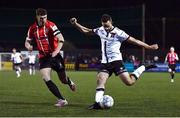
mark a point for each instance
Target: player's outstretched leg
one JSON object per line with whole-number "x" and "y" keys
{"x": 141, "y": 69}
{"x": 149, "y": 66}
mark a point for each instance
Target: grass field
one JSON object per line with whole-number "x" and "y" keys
{"x": 153, "y": 95}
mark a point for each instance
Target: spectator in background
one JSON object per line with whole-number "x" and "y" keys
{"x": 172, "y": 58}
{"x": 77, "y": 61}
{"x": 148, "y": 60}
{"x": 17, "y": 59}
{"x": 135, "y": 61}
{"x": 156, "y": 59}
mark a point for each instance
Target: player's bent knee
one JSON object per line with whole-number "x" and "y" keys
{"x": 46, "y": 79}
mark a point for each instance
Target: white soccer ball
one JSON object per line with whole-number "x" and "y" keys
{"x": 106, "y": 102}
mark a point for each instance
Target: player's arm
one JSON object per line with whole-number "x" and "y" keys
{"x": 142, "y": 44}
{"x": 177, "y": 58}
{"x": 22, "y": 58}
{"x": 28, "y": 44}
{"x": 165, "y": 61}
{"x": 29, "y": 39}
{"x": 81, "y": 28}
{"x": 12, "y": 57}
{"x": 60, "y": 39}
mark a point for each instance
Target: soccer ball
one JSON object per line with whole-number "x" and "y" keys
{"x": 106, "y": 102}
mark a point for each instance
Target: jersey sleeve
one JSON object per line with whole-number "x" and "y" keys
{"x": 122, "y": 36}
{"x": 96, "y": 31}
{"x": 54, "y": 29}
{"x": 30, "y": 34}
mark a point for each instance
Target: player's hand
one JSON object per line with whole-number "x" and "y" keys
{"x": 73, "y": 21}
{"x": 154, "y": 47}
{"x": 30, "y": 48}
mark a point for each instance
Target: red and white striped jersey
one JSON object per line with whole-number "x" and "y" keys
{"x": 45, "y": 37}
{"x": 171, "y": 58}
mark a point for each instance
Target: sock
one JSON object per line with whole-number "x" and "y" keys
{"x": 99, "y": 94}
{"x": 172, "y": 76}
{"x": 53, "y": 88}
{"x": 138, "y": 71}
{"x": 34, "y": 71}
{"x": 18, "y": 73}
{"x": 69, "y": 81}
{"x": 19, "y": 69}
{"x": 30, "y": 71}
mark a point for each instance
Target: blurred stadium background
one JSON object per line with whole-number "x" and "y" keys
{"x": 133, "y": 19}
{"x": 159, "y": 24}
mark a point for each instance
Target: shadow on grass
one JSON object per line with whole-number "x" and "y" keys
{"x": 72, "y": 105}
{"x": 25, "y": 103}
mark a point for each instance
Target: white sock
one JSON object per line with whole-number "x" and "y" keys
{"x": 18, "y": 73}
{"x": 99, "y": 94}
{"x": 34, "y": 72}
{"x": 139, "y": 71}
{"x": 30, "y": 71}
{"x": 19, "y": 69}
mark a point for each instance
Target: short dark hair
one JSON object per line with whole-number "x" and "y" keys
{"x": 105, "y": 18}
{"x": 41, "y": 12}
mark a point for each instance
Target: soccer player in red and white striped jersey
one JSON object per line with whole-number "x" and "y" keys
{"x": 172, "y": 58}
{"x": 49, "y": 42}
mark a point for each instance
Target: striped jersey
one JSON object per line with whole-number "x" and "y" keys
{"x": 171, "y": 58}
{"x": 111, "y": 43}
{"x": 45, "y": 37}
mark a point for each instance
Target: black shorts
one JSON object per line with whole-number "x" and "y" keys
{"x": 31, "y": 64}
{"x": 116, "y": 67}
{"x": 17, "y": 64}
{"x": 56, "y": 63}
{"x": 172, "y": 67}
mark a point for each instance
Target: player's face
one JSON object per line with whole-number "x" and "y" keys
{"x": 14, "y": 50}
{"x": 41, "y": 20}
{"x": 172, "y": 49}
{"x": 107, "y": 25}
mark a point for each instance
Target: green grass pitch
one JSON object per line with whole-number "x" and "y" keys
{"x": 152, "y": 95}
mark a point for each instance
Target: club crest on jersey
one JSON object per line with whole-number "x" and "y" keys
{"x": 47, "y": 30}
{"x": 112, "y": 35}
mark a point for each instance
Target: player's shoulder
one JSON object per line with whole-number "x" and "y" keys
{"x": 33, "y": 26}
{"x": 18, "y": 53}
{"x": 118, "y": 30}
{"x": 175, "y": 53}
{"x": 169, "y": 53}
{"x": 50, "y": 23}
{"x": 99, "y": 28}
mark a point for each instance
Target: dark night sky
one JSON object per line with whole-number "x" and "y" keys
{"x": 154, "y": 9}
